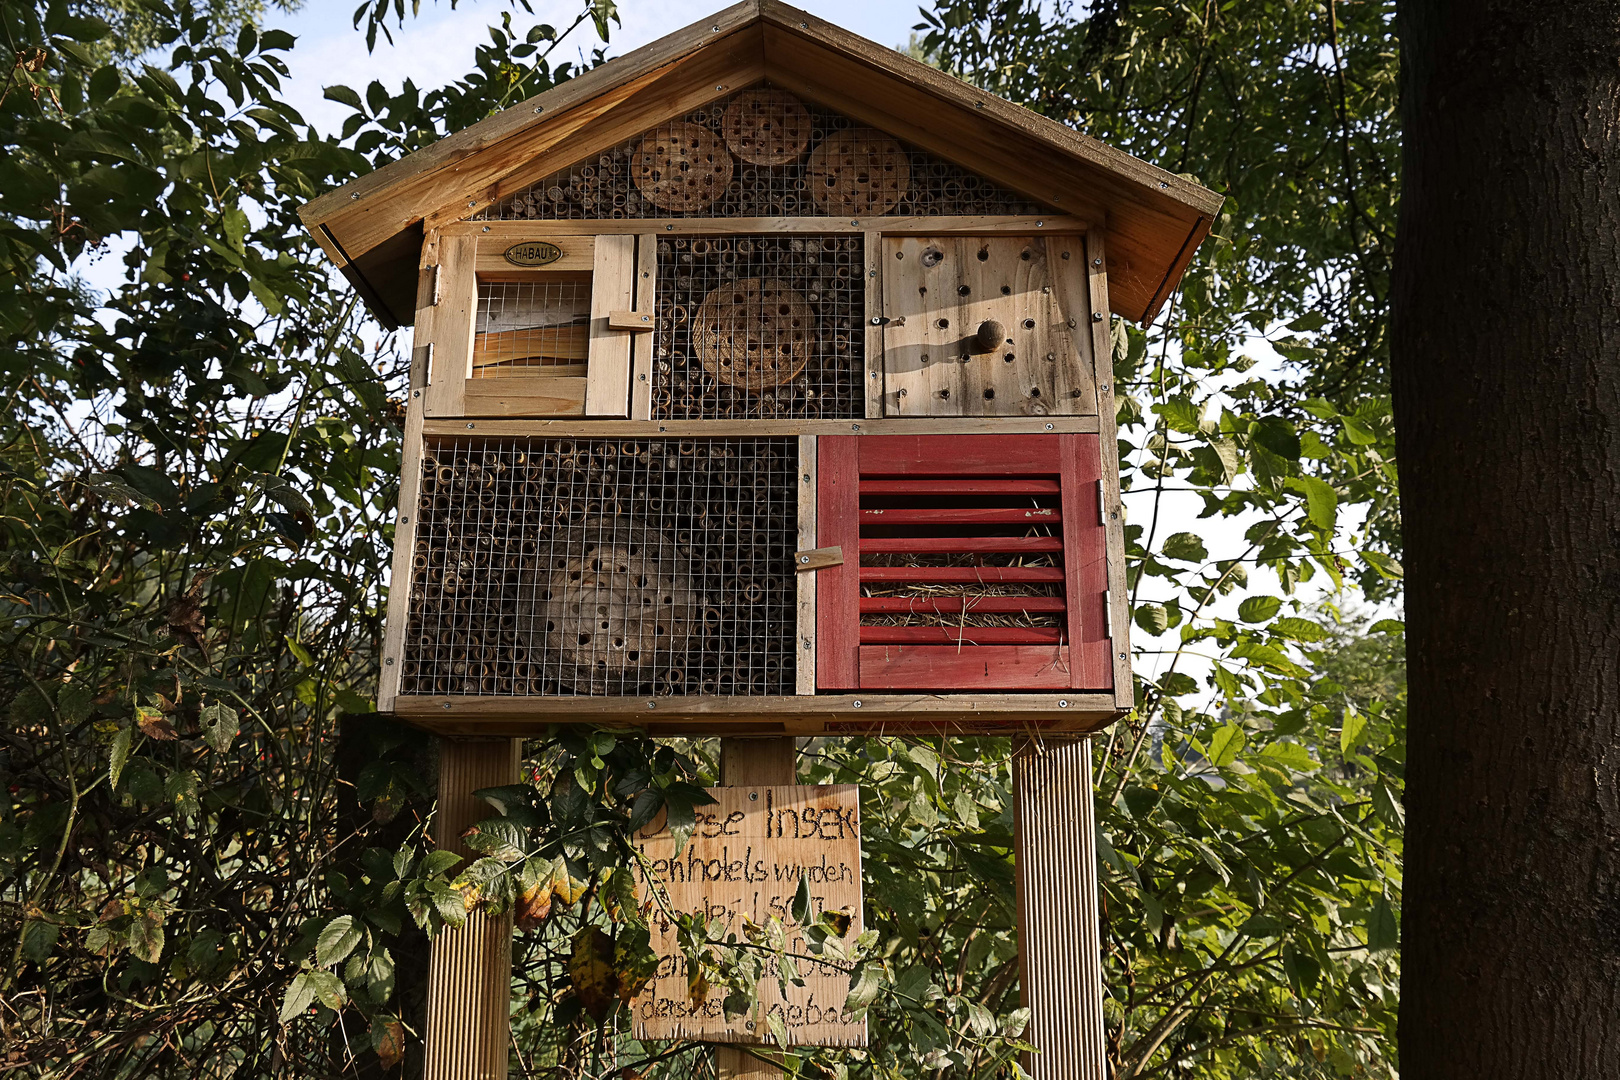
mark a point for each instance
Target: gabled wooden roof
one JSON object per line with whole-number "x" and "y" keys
{"x": 1154, "y": 220}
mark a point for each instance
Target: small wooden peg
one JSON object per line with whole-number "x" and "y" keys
{"x": 818, "y": 558}
{"x": 629, "y": 320}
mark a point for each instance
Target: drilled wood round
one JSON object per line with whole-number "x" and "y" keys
{"x": 682, "y": 167}
{"x": 766, "y": 127}
{"x": 754, "y": 334}
{"x": 614, "y": 619}
{"x": 858, "y": 171}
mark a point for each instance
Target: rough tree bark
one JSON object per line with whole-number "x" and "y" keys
{"x": 1506, "y": 361}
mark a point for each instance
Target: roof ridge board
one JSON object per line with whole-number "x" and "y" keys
{"x": 558, "y": 99}
{"x": 803, "y": 24}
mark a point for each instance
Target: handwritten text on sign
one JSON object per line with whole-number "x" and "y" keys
{"x": 746, "y": 857}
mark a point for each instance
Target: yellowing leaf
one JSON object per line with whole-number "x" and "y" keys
{"x": 590, "y": 969}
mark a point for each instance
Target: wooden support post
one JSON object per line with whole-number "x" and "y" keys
{"x": 470, "y": 978}
{"x": 1059, "y": 935}
{"x": 750, "y": 763}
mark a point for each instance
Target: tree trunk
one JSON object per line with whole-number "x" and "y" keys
{"x": 1506, "y": 367}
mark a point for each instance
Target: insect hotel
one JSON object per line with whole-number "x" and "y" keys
{"x": 761, "y": 387}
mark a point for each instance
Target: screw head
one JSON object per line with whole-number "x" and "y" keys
{"x": 652, "y": 704}
{"x": 854, "y": 427}
{"x": 469, "y": 427}
{"x": 389, "y": 662}
{"x": 807, "y": 478}
{"x": 446, "y": 705}
{"x": 354, "y": 195}
{"x": 856, "y": 703}
{"x": 1096, "y": 316}
{"x": 416, "y": 393}
{"x": 486, "y": 228}
{"x": 1096, "y": 262}
{"x": 1040, "y": 224}
{"x": 804, "y": 559}
{"x": 1063, "y": 703}
{"x": 539, "y": 109}
{"x": 1048, "y": 427}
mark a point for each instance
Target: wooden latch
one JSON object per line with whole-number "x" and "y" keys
{"x": 629, "y": 320}
{"x": 818, "y": 558}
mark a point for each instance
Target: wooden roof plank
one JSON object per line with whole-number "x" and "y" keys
{"x": 545, "y": 105}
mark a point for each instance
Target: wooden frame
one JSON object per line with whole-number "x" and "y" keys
{"x": 852, "y": 656}
{"x": 823, "y": 714}
{"x": 510, "y": 232}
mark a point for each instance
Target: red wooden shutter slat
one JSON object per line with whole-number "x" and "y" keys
{"x": 1085, "y": 562}
{"x": 838, "y": 588}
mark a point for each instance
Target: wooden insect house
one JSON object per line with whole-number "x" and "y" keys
{"x": 761, "y": 387}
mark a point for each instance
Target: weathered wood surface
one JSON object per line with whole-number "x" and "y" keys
{"x": 985, "y": 326}
{"x": 744, "y": 861}
{"x": 470, "y": 977}
{"x": 1108, "y": 443}
{"x": 984, "y": 425}
{"x": 1059, "y": 936}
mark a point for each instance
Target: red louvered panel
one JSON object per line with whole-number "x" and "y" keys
{"x": 946, "y": 667}
{"x": 981, "y": 563}
{"x": 838, "y": 588}
{"x": 962, "y": 574}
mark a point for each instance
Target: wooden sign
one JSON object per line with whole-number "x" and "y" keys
{"x": 746, "y": 858}
{"x": 533, "y": 253}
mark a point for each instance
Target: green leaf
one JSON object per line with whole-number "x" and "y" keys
{"x": 1291, "y": 755}
{"x": 1311, "y": 320}
{"x": 1383, "y": 928}
{"x": 1321, "y": 501}
{"x": 1152, "y": 617}
{"x": 301, "y": 653}
{"x": 299, "y": 997}
{"x": 337, "y": 940}
{"x": 219, "y": 726}
{"x": 1387, "y": 568}
{"x": 1225, "y": 745}
{"x": 1350, "y": 734}
{"x": 499, "y": 838}
{"x": 1297, "y": 629}
{"x": 38, "y": 939}
{"x": 120, "y": 754}
{"x": 1387, "y": 806}
{"x": 801, "y": 901}
{"x": 1258, "y": 609}
{"x": 1184, "y": 546}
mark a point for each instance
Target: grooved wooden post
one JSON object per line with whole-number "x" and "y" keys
{"x": 1059, "y": 937}
{"x": 470, "y": 979}
{"x": 752, "y": 763}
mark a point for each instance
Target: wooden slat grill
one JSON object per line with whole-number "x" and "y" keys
{"x": 981, "y": 564}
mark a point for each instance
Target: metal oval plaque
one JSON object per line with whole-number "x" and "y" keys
{"x": 533, "y": 253}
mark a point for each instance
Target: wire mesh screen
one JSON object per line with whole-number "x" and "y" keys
{"x": 604, "y": 566}
{"x": 760, "y": 152}
{"x": 529, "y": 324}
{"x": 755, "y": 327}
